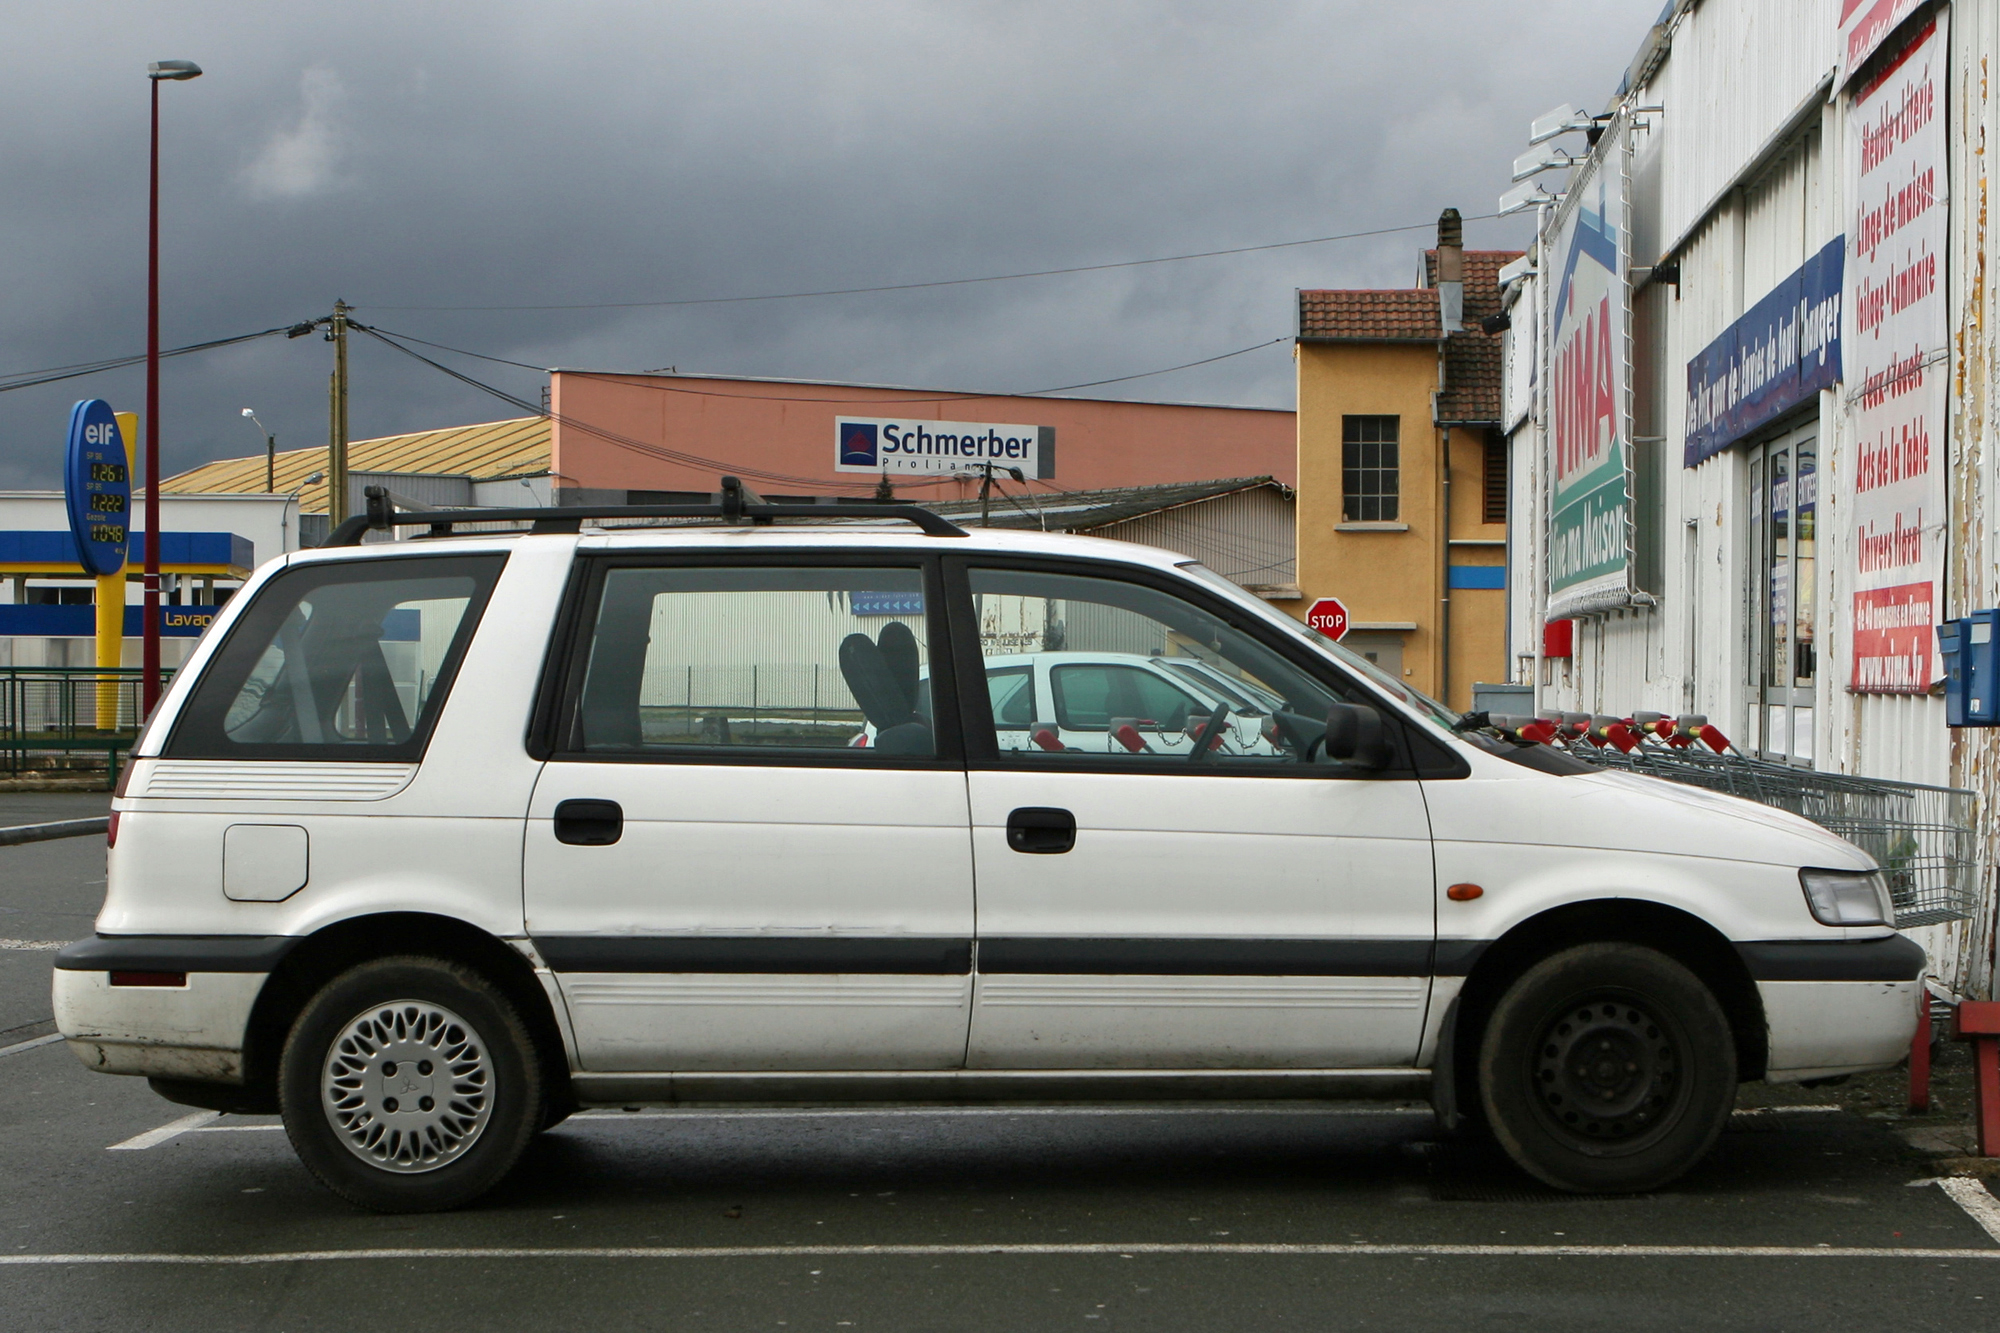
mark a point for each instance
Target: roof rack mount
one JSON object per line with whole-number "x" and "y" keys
{"x": 734, "y": 504}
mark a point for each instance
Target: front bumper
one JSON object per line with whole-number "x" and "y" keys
{"x": 193, "y": 1032}
{"x": 1836, "y": 1006}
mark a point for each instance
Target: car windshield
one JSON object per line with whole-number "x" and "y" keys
{"x": 1354, "y": 661}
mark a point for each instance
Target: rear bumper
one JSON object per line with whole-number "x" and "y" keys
{"x": 194, "y": 1032}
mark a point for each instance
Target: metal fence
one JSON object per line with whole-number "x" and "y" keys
{"x": 1921, "y": 836}
{"x": 57, "y": 721}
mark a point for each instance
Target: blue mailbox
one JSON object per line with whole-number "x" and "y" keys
{"x": 1970, "y": 646}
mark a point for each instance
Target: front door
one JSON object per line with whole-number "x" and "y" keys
{"x": 748, "y": 848}
{"x": 1217, "y": 901}
{"x": 1784, "y": 510}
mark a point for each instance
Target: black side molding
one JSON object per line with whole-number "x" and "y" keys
{"x": 1224, "y": 957}
{"x": 804, "y": 954}
{"x": 1889, "y": 958}
{"x": 176, "y": 953}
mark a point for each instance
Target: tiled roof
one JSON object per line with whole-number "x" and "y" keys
{"x": 1473, "y": 372}
{"x": 1406, "y": 315}
{"x": 519, "y": 447}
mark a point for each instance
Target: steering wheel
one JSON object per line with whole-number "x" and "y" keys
{"x": 1209, "y": 738}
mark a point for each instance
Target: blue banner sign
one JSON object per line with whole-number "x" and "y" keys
{"x": 886, "y": 603}
{"x": 96, "y": 487}
{"x": 1784, "y": 350}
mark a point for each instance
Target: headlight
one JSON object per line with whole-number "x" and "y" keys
{"x": 1848, "y": 897}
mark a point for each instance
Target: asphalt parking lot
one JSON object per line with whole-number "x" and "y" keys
{"x": 126, "y": 1212}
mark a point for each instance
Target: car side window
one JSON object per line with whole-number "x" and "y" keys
{"x": 347, "y": 660}
{"x": 685, "y": 661}
{"x": 1088, "y": 696}
{"x": 1137, "y": 674}
{"x": 1011, "y": 691}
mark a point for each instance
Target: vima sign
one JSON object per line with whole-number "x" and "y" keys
{"x": 886, "y": 444}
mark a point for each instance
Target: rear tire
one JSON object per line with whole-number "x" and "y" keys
{"x": 1607, "y": 1069}
{"x": 409, "y": 1085}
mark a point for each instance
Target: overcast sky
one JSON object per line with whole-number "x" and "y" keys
{"x": 424, "y": 154}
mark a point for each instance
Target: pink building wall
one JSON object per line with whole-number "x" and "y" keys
{"x": 680, "y": 432}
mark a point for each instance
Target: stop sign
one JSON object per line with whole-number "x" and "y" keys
{"x": 1329, "y": 616}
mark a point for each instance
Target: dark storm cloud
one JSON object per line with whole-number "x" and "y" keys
{"x": 440, "y": 154}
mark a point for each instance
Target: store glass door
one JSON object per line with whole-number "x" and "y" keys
{"x": 1784, "y": 509}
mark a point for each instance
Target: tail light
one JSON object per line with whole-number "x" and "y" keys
{"x": 111, "y": 831}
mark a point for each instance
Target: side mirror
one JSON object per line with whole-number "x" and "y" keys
{"x": 1354, "y": 734}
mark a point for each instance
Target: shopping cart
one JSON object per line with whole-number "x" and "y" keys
{"x": 1920, "y": 835}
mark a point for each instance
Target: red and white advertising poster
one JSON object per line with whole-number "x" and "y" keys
{"x": 1894, "y": 346}
{"x": 1863, "y": 26}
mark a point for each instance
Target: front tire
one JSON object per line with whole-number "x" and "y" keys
{"x": 1607, "y": 1069}
{"x": 409, "y": 1085}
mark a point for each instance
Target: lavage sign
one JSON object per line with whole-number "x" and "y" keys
{"x": 892, "y": 444}
{"x": 1589, "y": 552}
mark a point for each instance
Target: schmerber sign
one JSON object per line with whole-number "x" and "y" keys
{"x": 893, "y": 444}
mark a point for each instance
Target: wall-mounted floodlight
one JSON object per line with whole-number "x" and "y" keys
{"x": 1537, "y": 160}
{"x": 1523, "y": 197}
{"x": 1560, "y": 120}
{"x": 1520, "y": 268}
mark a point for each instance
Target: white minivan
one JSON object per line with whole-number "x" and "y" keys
{"x": 435, "y": 841}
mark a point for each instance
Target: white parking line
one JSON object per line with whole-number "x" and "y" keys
{"x": 38, "y": 946}
{"x": 31, "y": 1044}
{"x": 152, "y": 1138}
{"x": 1128, "y": 1251}
{"x": 1977, "y": 1201}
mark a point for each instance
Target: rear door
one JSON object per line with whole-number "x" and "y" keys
{"x": 720, "y": 874}
{"x": 1185, "y": 907}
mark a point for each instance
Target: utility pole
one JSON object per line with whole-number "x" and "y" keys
{"x": 336, "y": 442}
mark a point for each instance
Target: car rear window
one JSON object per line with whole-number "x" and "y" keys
{"x": 349, "y": 660}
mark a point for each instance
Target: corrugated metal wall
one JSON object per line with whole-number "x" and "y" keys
{"x": 1973, "y": 575}
{"x": 1738, "y": 68}
{"x": 1249, "y": 538}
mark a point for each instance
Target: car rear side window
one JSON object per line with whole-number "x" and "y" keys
{"x": 754, "y": 662}
{"x": 349, "y": 660}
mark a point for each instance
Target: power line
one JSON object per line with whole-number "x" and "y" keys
{"x": 623, "y": 441}
{"x": 945, "y": 282}
{"x": 942, "y": 397}
{"x": 27, "y": 379}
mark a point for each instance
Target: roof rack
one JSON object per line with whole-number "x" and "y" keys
{"x": 735, "y": 503}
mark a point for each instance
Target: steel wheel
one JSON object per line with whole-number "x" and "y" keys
{"x": 408, "y": 1086}
{"x": 1607, "y": 1068}
{"x": 1608, "y": 1071}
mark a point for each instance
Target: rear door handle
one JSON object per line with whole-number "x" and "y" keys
{"x": 589, "y": 823}
{"x": 1041, "y": 830}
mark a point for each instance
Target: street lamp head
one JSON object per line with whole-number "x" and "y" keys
{"x": 250, "y": 412}
{"x": 173, "y": 69}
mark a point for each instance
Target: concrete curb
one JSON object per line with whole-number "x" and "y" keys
{"x": 62, "y": 828}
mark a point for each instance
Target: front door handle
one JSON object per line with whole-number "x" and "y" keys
{"x": 1041, "y": 830}
{"x": 589, "y": 823}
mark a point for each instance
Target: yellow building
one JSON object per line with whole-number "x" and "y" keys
{"x": 1402, "y": 502}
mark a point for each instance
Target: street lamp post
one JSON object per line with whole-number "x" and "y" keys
{"x": 270, "y": 453}
{"x": 149, "y": 679}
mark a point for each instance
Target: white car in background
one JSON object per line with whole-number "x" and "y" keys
{"x": 1108, "y": 702}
